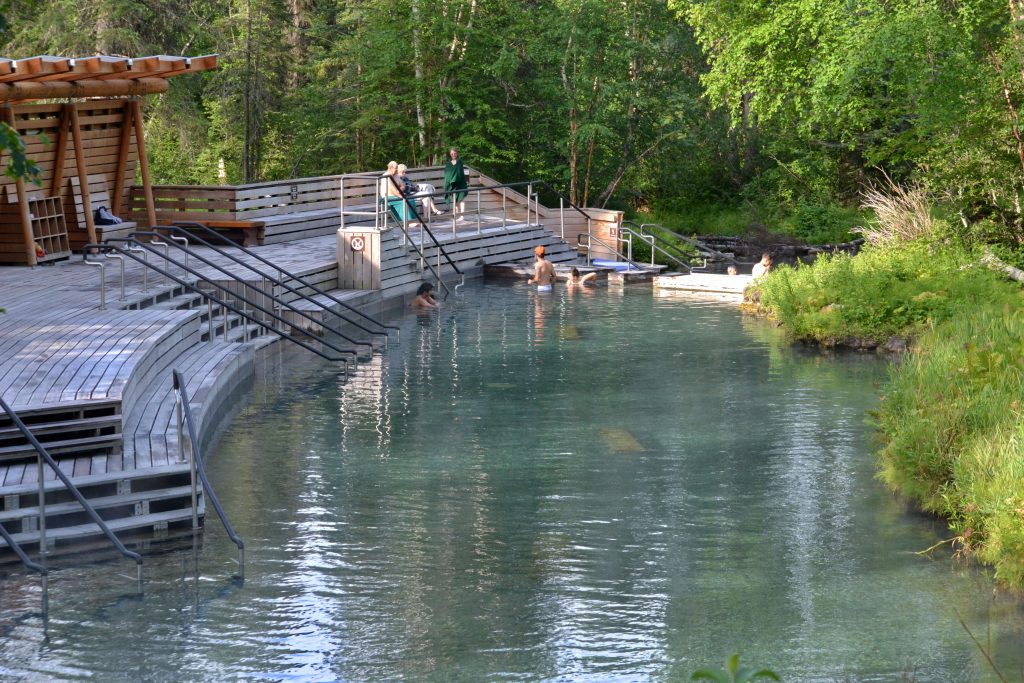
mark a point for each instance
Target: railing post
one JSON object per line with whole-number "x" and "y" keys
{"x": 342, "y": 202}
{"x": 503, "y": 214}
{"x": 478, "y": 212}
{"x": 145, "y": 270}
{"x": 244, "y": 323}
{"x": 184, "y": 249}
{"x": 167, "y": 257}
{"x": 561, "y": 216}
{"x": 180, "y": 424}
{"x": 209, "y": 318}
{"x": 120, "y": 258}
{"x": 42, "y": 511}
{"x": 194, "y": 476}
{"x": 529, "y": 193}
{"x": 103, "y": 282}
{"x": 224, "y": 333}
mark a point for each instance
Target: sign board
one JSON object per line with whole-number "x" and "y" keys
{"x": 613, "y": 232}
{"x": 295, "y": 193}
{"x": 357, "y": 243}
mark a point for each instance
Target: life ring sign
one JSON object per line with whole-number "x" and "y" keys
{"x": 357, "y": 243}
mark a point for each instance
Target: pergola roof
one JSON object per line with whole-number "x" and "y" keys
{"x": 46, "y": 77}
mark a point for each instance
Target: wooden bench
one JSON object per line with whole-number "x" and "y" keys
{"x": 74, "y": 211}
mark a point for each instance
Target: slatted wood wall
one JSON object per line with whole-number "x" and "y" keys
{"x": 101, "y": 124}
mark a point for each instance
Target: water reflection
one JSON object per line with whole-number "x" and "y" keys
{"x": 605, "y": 487}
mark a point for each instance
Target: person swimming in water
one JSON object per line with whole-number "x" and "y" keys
{"x": 577, "y": 280}
{"x": 543, "y": 271}
{"x": 425, "y": 297}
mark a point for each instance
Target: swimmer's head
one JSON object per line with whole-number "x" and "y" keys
{"x": 538, "y": 250}
{"x": 575, "y": 273}
{"x": 425, "y": 288}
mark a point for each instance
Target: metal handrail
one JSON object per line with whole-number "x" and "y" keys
{"x": 45, "y": 457}
{"x": 192, "y": 287}
{"x": 186, "y": 228}
{"x": 615, "y": 250}
{"x": 199, "y": 469}
{"x": 22, "y": 555}
{"x": 426, "y": 262}
{"x": 652, "y": 241}
{"x": 247, "y": 301}
{"x": 419, "y": 247}
{"x": 701, "y": 248}
{"x": 249, "y": 286}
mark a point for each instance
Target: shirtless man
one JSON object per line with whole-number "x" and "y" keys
{"x": 543, "y": 271}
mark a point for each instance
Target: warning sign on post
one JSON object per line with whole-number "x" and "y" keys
{"x": 357, "y": 243}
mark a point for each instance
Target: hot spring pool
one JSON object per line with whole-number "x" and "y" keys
{"x": 598, "y": 486}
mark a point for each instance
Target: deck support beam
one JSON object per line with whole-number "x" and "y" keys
{"x": 71, "y": 112}
{"x": 122, "y": 159}
{"x": 59, "y": 90}
{"x": 60, "y": 157}
{"x": 140, "y": 145}
{"x": 26, "y": 217}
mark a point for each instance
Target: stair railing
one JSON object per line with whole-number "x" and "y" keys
{"x": 188, "y": 230}
{"x": 198, "y": 468}
{"x": 704, "y": 250}
{"x": 260, "y": 293}
{"x": 224, "y": 303}
{"x": 591, "y": 239}
{"x": 43, "y": 457}
{"x": 44, "y": 573}
{"x": 658, "y": 245}
{"x": 246, "y": 301}
{"x": 440, "y": 250}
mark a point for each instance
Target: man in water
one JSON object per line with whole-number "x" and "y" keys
{"x": 543, "y": 271}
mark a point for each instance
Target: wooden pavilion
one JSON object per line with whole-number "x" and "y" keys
{"x": 81, "y": 121}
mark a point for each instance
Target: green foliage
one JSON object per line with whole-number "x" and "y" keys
{"x": 734, "y": 673}
{"x": 821, "y": 224}
{"x": 697, "y": 219}
{"x": 878, "y": 294}
{"x": 19, "y": 166}
{"x": 952, "y": 430}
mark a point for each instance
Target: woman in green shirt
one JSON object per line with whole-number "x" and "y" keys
{"x": 454, "y": 181}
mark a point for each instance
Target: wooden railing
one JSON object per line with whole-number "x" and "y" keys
{"x": 274, "y": 202}
{"x": 260, "y": 201}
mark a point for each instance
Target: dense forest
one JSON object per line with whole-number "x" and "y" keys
{"x": 783, "y": 111}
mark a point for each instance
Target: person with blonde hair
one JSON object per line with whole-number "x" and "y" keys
{"x": 391, "y": 192}
{"x": 423, "y": 190}
{"x": 387, "y": 188}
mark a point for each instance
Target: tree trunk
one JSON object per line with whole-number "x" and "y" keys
{"x": 421, "y": 122}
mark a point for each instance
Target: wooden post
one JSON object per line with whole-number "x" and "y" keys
{"x": 59, "y": 156}
{"x": 122, "y": 159}
{"x": 26, "y": 218}
{"x": 71, "y": 110}
{"x": 140, "y": 145}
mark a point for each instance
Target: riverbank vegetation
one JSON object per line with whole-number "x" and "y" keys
{"x": 950, "y": 421}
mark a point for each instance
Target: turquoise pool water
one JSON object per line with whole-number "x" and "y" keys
{"x": 601, "y": 486}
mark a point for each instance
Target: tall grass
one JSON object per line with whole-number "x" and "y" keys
{"x": 903, "y": 213}
{"x": 952, "y": 429}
